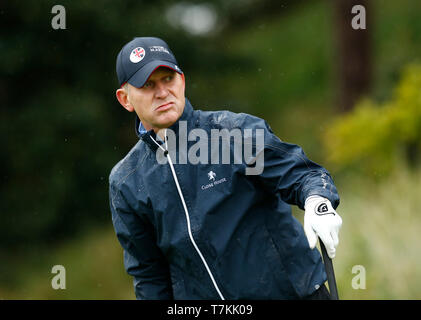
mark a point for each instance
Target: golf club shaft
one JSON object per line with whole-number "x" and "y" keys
{"x": 329, "y": 272}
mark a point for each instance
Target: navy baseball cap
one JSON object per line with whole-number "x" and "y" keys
{"x": 139, "y": 58}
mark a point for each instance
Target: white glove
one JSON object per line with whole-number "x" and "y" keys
{"x": 320, "y": 219}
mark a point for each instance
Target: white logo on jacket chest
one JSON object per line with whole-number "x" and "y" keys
{"x": 211, "y": 176}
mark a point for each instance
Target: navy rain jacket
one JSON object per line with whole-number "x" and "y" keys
{"x": 185, "y": 237}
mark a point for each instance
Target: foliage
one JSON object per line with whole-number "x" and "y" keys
{"x": 374, "y": 137}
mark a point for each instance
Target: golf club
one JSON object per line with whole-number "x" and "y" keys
{"x": 329, "y": 272}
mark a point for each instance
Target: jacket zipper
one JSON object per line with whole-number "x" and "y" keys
{"x": 180, "y": 193}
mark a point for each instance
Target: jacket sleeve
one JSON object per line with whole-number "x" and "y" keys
{"x": 142, "y": 258}
{"x": 289, "y": 172}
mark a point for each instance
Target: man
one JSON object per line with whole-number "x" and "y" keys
{"x": 208, "y": 229}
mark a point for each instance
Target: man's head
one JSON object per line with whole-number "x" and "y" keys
{"x": 151, "y": 82}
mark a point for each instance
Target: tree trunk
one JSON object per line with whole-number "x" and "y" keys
{"x": 353, "y": 53}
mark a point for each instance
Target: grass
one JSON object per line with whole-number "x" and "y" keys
{"x": 381, "y": 233}
{"x": 93, "y": 265}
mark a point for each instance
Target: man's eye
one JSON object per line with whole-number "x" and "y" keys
{"x": 148, "y": 84}
{"x": 169, "y": 78}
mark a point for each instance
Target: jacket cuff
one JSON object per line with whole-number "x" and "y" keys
{"x": 331, "y": 196}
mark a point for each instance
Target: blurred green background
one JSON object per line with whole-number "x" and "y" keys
{"x": 350, "y": 98}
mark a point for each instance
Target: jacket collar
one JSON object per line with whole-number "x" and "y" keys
{"x": 148, "y": 136}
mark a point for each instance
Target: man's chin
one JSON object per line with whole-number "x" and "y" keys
{"x": 168, "y": 119}
{"x": 164, "y": 125}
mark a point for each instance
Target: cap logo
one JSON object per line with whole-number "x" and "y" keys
{"x": 137, "y": 54}
{"x": 158, "y": 49}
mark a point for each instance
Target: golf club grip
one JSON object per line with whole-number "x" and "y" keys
{"x": 329, "y": 272}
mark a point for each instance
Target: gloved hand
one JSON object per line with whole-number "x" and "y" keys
{"x": 320, "y": 219}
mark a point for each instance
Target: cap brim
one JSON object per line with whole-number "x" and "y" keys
{"x": 142, "y": 75}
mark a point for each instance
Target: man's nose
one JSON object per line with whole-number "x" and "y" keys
{"x": 161, "y": 90}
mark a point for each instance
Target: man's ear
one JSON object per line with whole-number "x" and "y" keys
{"x": 123, "y": 98}
{"x": 184, "y": 79}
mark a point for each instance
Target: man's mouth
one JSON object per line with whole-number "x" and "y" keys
{"x": 165, "y": 106}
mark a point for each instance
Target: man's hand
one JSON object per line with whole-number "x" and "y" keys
{"x": 320, "y": 219}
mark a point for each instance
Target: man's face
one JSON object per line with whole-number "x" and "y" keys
{"x": 160, "y": 102}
